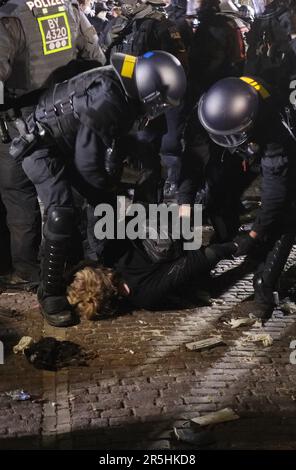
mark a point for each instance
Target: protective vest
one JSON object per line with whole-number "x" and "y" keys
{"x": 62, "y": 108}
{"x": 51, "y": 30}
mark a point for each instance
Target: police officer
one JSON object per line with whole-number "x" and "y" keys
{"x": 149, "y": 28}
{"x": 241, "y": 115}
{"x": 216, "y": 51}
{"x": 79, "y": 120}
{"x": 37, "y": 38}
{"x": 272, "y": 43}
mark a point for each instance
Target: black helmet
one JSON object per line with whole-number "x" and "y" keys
{"x": 156, "y": 79}
{"x": 229, "y": 110}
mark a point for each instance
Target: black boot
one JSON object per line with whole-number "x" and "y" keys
{"x": 52, "y": 291}
{"x": 266, "y": 281}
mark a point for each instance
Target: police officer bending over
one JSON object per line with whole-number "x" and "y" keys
{"x": 74, "y": 124}
{"x": 37, "y": 37}
{"x": 149, "y": 28}
{"x": 241, "y": 115}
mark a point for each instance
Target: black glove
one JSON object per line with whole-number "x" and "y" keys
{"x": 222, "y": 250}
{"x": 245, "y": 245}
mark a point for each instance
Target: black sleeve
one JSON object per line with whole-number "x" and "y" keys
{"x": 194, "y": 160}
{"x": 189, "y": 181}
{"x": 89, "y": 161}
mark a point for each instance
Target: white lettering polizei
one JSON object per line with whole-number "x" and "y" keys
{"x": 44, "y": 3}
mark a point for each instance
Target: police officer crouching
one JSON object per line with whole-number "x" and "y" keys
{"x": 71, "y": 129}
{"x": 241, "y": 115}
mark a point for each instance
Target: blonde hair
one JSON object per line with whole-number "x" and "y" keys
{"x": 93, "y": 290}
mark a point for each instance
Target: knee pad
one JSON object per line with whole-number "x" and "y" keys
{"x": 60, "y": 223}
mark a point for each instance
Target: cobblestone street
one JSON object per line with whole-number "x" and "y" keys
{"x": 140, "y": 382}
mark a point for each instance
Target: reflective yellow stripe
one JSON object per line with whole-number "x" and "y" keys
{"x": 128, "y": 66}
{"x": 260, "y": 88}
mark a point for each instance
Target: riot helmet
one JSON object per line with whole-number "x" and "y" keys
{"x": 156, "y": 79}
{"x": 229, "y": 109}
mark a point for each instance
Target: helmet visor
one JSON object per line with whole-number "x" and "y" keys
{"x": 230, "y": 141}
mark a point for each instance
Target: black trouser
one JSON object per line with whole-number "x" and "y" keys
{"x": 54, "y": 175}
{"x": 210, "y": 167}
{"x": 143, "y": 147}
{"x": 272, "y": 255}
{"x": 5, "y": 256}
{"x": 23, "y": 218}
{"x": 171, "y": 145}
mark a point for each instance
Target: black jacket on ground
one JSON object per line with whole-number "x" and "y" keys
{"x": 151, "y": 284}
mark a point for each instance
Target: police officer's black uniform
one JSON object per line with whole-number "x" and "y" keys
{"x": 72, "y": 127}
{"x": 216, "y": 51}
{"x": 148, "y": 28}
{"x": 36, "y": 38}
{"x": 242, "y": 115}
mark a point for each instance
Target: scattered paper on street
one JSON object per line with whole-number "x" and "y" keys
{"x": 205, "y": 344}
{"x": 24, "y": 343}
{"x": 222, "y": 416}
{"x": 237, "y": 322}
{"x": 265, "y": 338}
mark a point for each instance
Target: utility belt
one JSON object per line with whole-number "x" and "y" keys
{"x": 46, "y": 123}
{"x": 21, "y": 145}
{"x": 30, "y": 134}
{"x": 11, "y": 114}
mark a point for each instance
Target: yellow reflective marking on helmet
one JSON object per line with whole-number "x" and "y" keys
{"x": 55, "y": 33}
{"x": 258, "y": 87}
{"x": 128, "y": 66}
